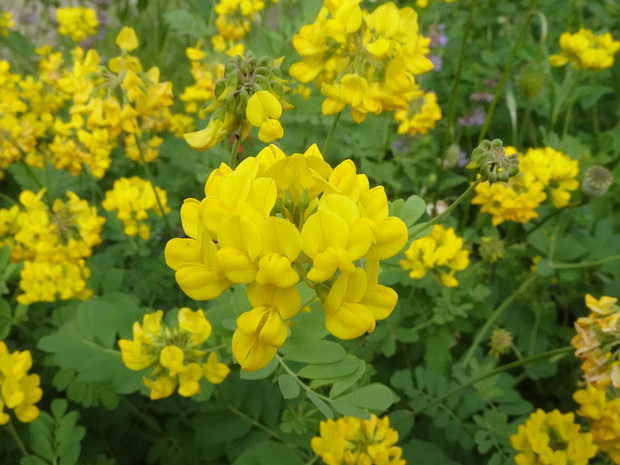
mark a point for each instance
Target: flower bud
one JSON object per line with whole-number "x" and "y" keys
{"x": 596, "y": 181}
{"x": 532, "y": 79}
{"x": 492, "y": 163}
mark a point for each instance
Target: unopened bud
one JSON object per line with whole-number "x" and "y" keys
{"x": 532, "y": 79}
{"x": 491, "y": 161}
{"x": 596, "y": 180}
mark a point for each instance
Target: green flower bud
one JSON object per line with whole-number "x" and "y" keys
{"x": 596, "y": 180}
{"x": 532, "y": 79}
{"x": 491, "y": 161}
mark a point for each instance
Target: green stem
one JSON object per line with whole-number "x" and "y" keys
{"x": 419, "y": 227}
{"x": 568, "y": 266}
{"x": 331, "y": 133}
{"x": 299, "y": 381}
{"x": 255, "y": 423}
{"x": 453, "y": 95}
{"x": 18, "y": 440}
{"x": 505, "y": 74}
{"x": 495, "y": 315}
{"x": 567, "y": 84}
{"x": 234, "y": 152}
{"x": 149, "y": 174}
{"x": 496, "y": 371}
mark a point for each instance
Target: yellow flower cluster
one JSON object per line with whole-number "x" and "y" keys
{"x": 205, "y": 74}
{"x": 353, "y": 441}
{"x": 442, "y": 250}
{"x": 132, "y": 198}
{"x": 6, "y": 22}
{"x": 605, "y": 417}
{"x": 174, "y": 354}
{"x": 420, "y": 117}
{"x": 553, "y": 438}
{"x": 276, "y": 218}
{"x": 543, "y": 172}
{"x": 585, "y": 50}
{"x": 233, "y": 22}
{"x": 18, "y": 390}
{"x": 365, "y": 60}
{"x": 596, "y": 342}
{"x": 96, "y": 120}
{"x": 52, "y": 243}
{"x": 77, "y": 22}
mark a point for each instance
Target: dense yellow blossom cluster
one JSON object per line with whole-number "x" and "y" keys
{"x": 274, "y": 219}
{"x": 175, "y": 354}
{"x": 420, "y": 117}
{"x": 543, "y": 172}
{"x": 353, "y": 441}
{"x": 96, "y": 120}
{"x": 441, "y": 251}
{"x": 53, "y": 243}
{"x": 233, "y": 22}
{"x": 77, "y": 22}
{"x": 552, "y": 437}
{"x": 596, "y": 342}
{"x": 365, "y": 60}
{"x": 605, "y": 417}
{"x": 133, "y": 198}
{"x": 6, "y": 22}
{"x": 586, "y": 50}
{"x": 19, "y": 391}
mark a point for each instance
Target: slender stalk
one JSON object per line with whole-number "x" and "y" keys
{"x": 496, "y": 371}
{"x": 300, "y": 382}
{"x": 568, "y": 266}
{"x": 18, "y": 440}
{"x": 149, "y": 174}
{"x": 453, "y": 95}
{"x": 419, "y": 227}
{"x": 496, "y": 314}
{"x": 331, "y": 133}
{"x": 234, "y": 152}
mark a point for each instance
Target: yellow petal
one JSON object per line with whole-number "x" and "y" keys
{"x": 127, "y": 39}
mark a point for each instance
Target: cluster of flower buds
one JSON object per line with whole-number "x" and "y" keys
{"x": 492, "y": 163}
{"x": 276, "y": 219}
{"x": 252, "y": 93}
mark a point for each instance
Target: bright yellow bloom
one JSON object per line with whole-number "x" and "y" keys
{"x": 365, "y": 60}
{"x": 442, "y": 250}
{"x": 585, "y": 50}
{"x": 421, "y": 115}
{"x": 19, "y": 391}
{"x": 542, "y": 172}
{"x": 175, "y": 354}
{"x": 6, "y": 22}
{"x": 263, "y": 111}
{"x": 77, "y": 22}
{"x": 605, "y": 417}
{"x": 275, "y": 219}
{"x": 552, "y": 437}
{"x": 127, "y": 39}
{"x": 352, "y": 441}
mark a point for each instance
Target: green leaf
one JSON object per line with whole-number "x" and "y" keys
{"x": 316, "y": 352}
{"x": 288, "y": 386}
{"x": 346, "y": 382}
{"x": 329, "y": 370}
{"x": 58, "y": 408}
{"x": 269, "y": 453}
{"x": 350, "y": 410}
{"x": 410, "y": 210}
{"x": 374, "y": 396}
{"x": 32, "y": 460}
{"x": 6, "y": 319}
{"x": 320, "y": 404}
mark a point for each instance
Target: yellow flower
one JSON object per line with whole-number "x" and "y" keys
{"x": 263, "y": 111}
{"x": 585, "y": 50}
{"x": 127, "y": 40}
{"x": 20, "y": 390}
{"x": 552, "y": 437}
{"x": 421, "y": 115}
{"x": 350, "y": 440}
{"x": 442, "y": 250}
{"x": 175, "y": 354}
{"x": 6, "y": 22}
{"x": 77, "y": 22}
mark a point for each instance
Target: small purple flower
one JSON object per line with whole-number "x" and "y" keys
{"x": 475, "y": 118}
{"x": 482, "y": 96}
{"x": 437, "y": 61}
{"x": 437, "y": 35}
